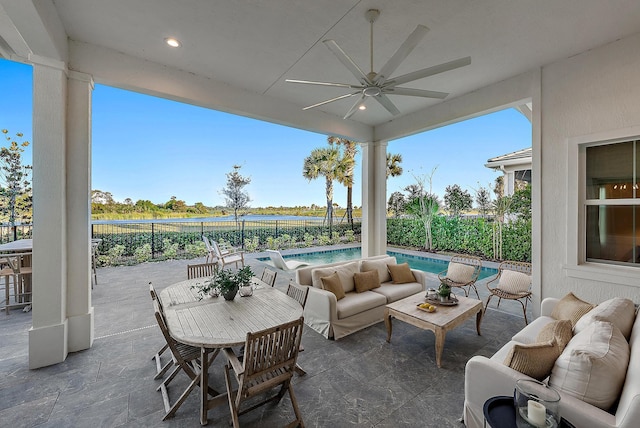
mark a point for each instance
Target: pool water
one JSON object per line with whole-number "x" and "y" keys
{"x": 415, "y": 262}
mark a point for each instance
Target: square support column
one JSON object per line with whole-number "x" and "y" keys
{"x": 374, "y": 198}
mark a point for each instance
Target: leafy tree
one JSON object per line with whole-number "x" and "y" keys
{"x": 346, "y": 177}
{"x": 424, "y": 205}
{"x": 393, "y": 165}
{"x": 236, "y": 198}
{"x": 396, "y": 203}
{"x": 413, "y": 191}
{"x": 100, "y": 197}
{"x": 200, "y": 208}
{"x": 457, "y": 200}
{"x": 483, "y": 200}
{"x": 175, "y": 204}
{"x": 328, "y": 163}
{"x": 15, "y": 184}
{"x": 144, "y": 205}
{"x": 521, "y": 202}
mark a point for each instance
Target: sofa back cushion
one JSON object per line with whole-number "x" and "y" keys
{"x": 570, "y": 308}
{"x": 380, "y": 265}
{"x": 631, "y": 388}
{"x": 593, "y": 366}
{"x": 345, "y": 272}
{"x": 619, "y": 311}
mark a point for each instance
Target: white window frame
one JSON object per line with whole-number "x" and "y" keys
{"x": 576, "y": 264}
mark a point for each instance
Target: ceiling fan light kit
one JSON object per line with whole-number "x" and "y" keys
{"x": 378, "y": 85}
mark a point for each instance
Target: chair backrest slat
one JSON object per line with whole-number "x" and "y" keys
{"x": 269, "y": 276}
{"x": 201, "y": 270}
{"x": 298, "y": 292}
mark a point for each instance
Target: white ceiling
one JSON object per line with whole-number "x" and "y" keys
{"x": 254, "y": 45}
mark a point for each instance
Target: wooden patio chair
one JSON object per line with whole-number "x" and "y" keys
{"x": 299, "y": 293}
{"x": 160, "y": 368}
{"x": 211, "y": 252}
{"x": 229, "y": 257}
{"x": 269, "y": 360}
{"x": 186, "y": 359}
{"x": 513, "y": 282}
{"x": 462, "y": 272}
{"x": 269, "y": 276}
{"x": 201, "y": 270}
{"x": 14, "y": 272}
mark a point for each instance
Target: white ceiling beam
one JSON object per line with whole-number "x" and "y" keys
{"x": 120, "y": 70}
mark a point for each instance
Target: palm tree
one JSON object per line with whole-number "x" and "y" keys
{"x": 393, "y": 165}
{"x": 349, "y": 161}
{"x": 325, "y": 162}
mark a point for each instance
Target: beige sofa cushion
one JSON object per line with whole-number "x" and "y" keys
{"x": 560, "y": 331}
{"x": 593, "y": 366}
{"x": 380, "y": 265}
{"x": 570, "y": 308}
{"x": 535, "y": 360}
{"x": 332, "y": 283}
{"x": 366, "y": 280}
{"x": 401, "y": 274}
{"x": 460, "y": 272}
{"x": 354, "y": 303}
{"x": 345, "y": 272}
{"x": 393, "y": 292}
{"x": 619, "y": 311}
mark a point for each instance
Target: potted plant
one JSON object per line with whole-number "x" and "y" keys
{"x": 444, "y": 292}
{"x": 229, "y": 282}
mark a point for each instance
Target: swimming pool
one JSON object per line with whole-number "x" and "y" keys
{"x": 416, "y": 262}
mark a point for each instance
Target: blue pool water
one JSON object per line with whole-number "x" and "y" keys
{"x": 416, "y": 262}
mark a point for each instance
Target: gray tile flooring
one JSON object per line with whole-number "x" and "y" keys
{"x": 360, "y": 380}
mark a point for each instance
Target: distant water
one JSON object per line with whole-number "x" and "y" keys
{"x": 250, "y": 217}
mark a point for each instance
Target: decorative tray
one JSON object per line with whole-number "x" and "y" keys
{"x": 426, "y": 310}
{"x": 451, "y": 302}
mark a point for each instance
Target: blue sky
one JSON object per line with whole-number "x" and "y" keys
{"x": 150, "y": 148}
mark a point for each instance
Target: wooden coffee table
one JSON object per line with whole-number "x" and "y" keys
{"x": 444, "y": 319}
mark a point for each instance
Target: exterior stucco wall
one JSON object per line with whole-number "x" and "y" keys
{"x": 597, "y": 92}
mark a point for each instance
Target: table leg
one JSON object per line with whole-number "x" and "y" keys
{"x": 387, "y": 322}
{"x": 478, "y": 321}
{"x": 440, "y": 336}
{"x": 204, "y": 385}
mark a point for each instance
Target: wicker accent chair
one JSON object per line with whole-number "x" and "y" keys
{"x": 201, "y": 270}
{"x": 269, "y": 361}
{"x": 513, "y": 282}
{"x": 298, "y": 293}
{"x": 462, "y": 272}
{"x": 269, "y": 276}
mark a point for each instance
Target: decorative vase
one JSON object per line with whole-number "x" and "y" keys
{"x": 444, "y": 299}
{"x": 230, "y": 293}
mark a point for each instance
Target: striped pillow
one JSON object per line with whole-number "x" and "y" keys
{"x": 513, "y": 282}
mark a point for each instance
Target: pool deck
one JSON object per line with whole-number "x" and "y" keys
{"x": 360, "y": 380}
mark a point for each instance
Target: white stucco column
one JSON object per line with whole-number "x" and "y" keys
{"x": 374, "y": 198}
{"x": 78, "y": 165}
{"x": 48, "y": 335}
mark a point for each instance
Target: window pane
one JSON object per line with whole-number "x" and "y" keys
{"x": 612, "y": 233}
{"x": 610, "y": 171}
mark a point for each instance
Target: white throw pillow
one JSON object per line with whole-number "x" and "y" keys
{"x": 514, "y": 282}
{"x": 619, "y": 311}
{"x": 459, "y": 272}
{"x": 593, "y": 366}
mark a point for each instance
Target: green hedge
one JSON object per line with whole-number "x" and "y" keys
{"x": 460, "y": 235}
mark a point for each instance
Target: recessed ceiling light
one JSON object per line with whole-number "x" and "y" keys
{"x": 362, "y": 107}
{"x": 174, "y": 43}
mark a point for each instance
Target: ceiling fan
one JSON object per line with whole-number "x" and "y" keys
{"x": 379, "y": 85}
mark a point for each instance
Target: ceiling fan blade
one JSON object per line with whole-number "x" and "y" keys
{"x": 403, "y": 51}
{"x": 311, "y": 82}
{"x": 354, "y": 108}
{"x": 386, "y": 103}
{"x": 415, "y": 92}
{"x": 331, "y": 100}
{"x": 347, "y": 61}
{"x": 430, "y": 71}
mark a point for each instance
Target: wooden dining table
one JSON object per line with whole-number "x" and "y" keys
{"x": 212, "y": 323}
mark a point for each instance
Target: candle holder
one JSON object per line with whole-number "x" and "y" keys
{"x": 537, "y": 405}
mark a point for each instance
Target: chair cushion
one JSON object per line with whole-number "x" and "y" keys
{"x": 366, "y": 280}
{"x": 535, "y": 360}
{"x": 355, "y": 303}
{"x": 345, "y": 272}
{"x": 513, "y": 282}
{"x": 593, "y": 366}
{"x": 459, "y": 272}
{"x": 570, "y": 308}
{"x": 619, "y": 311}
{"x": 332, "y": 283}
{"x": 560, "y": 331}
{"x": 393, "y": 292}
{"x": 380, "y": 265}
{"x": 401, "y": 274}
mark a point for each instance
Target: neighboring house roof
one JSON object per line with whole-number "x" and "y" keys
{"x": 519, "y": 157}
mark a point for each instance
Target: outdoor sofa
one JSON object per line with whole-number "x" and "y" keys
{"x": 335, "y": 318}
{"x": 597, "y": 372}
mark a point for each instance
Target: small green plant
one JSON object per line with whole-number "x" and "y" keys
{"x": 142, "y": 253}
{"x": 226, "y": 280}
{"x": 112, "y": 257}
{"x": 308, "y": 240}
{"x": 170, "y": 250}
{"x": 252, "y": 244}
{"x": 444, "y": 291}
{"x": 335, "y": 238}
{"x": 350, "y": 235}
{"x": 197, "y": 249}
{"x": 324, "y": 239}
{"x": 272, "y": 243}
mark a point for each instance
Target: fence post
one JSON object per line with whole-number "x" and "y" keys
{"x": 153, "y": 242}
{"x": 276, "y": 228}
{"x": 201, "y": 229}
{"x": 15, "y": 232}
{"x": 242, "y": 236}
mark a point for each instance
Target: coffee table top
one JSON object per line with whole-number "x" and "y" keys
{"x": 443, "y": 316}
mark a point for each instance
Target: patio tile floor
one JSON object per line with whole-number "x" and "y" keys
{"x": 360, "y": 380}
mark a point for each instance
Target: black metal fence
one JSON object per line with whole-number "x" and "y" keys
{"x": 10, "y": 233}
